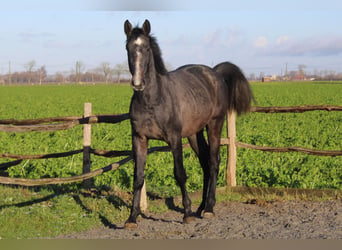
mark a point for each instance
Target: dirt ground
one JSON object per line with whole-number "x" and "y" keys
{"x": 236, "y": 220}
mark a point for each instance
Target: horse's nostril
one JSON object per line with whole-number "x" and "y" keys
{"x": 138, "y": 86}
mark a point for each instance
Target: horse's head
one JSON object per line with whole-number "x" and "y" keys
{"x": 139, "y": 53}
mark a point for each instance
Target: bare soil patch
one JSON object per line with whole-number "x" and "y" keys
{"x": 254, "y": 219}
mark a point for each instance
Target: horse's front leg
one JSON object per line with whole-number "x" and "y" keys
{"x": 180, "y": 175}
{"x": 139, "y": 147}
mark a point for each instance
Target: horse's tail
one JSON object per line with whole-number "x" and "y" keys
{"x": 239, "y": 91}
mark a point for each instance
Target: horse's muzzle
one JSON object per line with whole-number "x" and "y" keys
{"x": 138, "y": 86}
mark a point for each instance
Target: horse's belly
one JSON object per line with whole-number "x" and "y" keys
{"x": 193, "y": 123}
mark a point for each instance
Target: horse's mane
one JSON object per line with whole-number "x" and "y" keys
{"x": 157, "y": 55}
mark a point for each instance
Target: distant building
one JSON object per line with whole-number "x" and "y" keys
{"x": 299, "y": 78}
{"x": 266, "y": 79}
{"x": 269, "y": 78}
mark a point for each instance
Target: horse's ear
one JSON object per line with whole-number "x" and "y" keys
{"x": 146, "y": 27}
{"x": 128, "y": 27}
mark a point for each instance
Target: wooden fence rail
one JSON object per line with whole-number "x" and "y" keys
{"x": 11, "y": 125}
{"x": 296, "y": 109}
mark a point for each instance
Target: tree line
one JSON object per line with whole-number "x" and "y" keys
{"x": 106, "y": 73}
{"x": 33, "y": 74}
{"x": 299, "y": 75}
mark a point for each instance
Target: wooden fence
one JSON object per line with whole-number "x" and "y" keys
{"x": 11, "y": 125}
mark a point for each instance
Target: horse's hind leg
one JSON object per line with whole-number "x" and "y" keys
{"x": 214, "y": 137}
{"x": 201, "y": 148}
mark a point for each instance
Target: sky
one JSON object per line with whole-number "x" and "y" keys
{"x": 259, "y": 36}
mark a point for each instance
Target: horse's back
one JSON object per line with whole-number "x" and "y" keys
{"x": 198, "y": 91}
{"x": 196, "y": 76}
{"x": 198, "y": 82}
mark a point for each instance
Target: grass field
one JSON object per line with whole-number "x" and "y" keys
{"x": 317, "y": 129}
{"x": 46, "y": 212}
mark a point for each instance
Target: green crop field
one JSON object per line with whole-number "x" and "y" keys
{"x": 316, "y": 129}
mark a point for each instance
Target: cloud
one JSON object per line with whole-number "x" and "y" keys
{"x": 309, "y": 46}
{"x": 234, "y": 36}
{"x": 282, "y": 40}
{"x": 316, "y": 46}
{"x": 54, "y": 44}
{"x": 261, "y": 42}
{"x": 212, "y": 38}
{"x": 226, "y": 38}
{"x": 28, "y": 36}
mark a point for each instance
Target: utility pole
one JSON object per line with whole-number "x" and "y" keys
{"x": 79, "y": 68}
{"x": 281, "y": 74}
{"x": 286, "y": 71}
{"x": 9, "y": 73}
{"x": 77, "y": 72}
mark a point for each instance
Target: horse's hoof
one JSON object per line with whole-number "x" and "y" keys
{"x": 198, "y": 214}
{"x": 189, "y": 219}
{"x": 208, "y": 215}
{"x": 131, "y": 225}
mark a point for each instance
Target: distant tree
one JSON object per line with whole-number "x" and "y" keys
{"x": 332, "y": 75}
{"x": 252, "y": 77}
{"x": 41, "y": 72}
{"x": 120, "y": 69}
{"x": 301, "y": 71}
{"x": 2, "y": 79}
{"x": 292, "y": 74}
{"x": 105, "y": 67}
{"x": 78, "y": 71}
{"x": 98, "y": 74}
{"x": 316, "y": 73}
{"x": 59, "y": 77}
{"x": 29, "y": 69}
{"x": 15, "y": 77}
{"x": 89, "y": 76}
{"x": 9, "y": 73}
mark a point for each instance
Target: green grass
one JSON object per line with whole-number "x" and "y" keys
{"x": 317, "y": 129}
{"x": 25, "y": 102}
{"x": 40, "y": 213}
{"x": 50, "y": 211}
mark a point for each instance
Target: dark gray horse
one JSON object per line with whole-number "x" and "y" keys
{"x": 170, "y": 105}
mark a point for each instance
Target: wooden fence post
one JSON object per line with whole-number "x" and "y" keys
{"x": 231, "y": 152}
{"x": 143, "y": 198}
{"x": 86, "y": 144}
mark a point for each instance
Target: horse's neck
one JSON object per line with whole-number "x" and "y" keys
{"x": 152, "y": 92}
